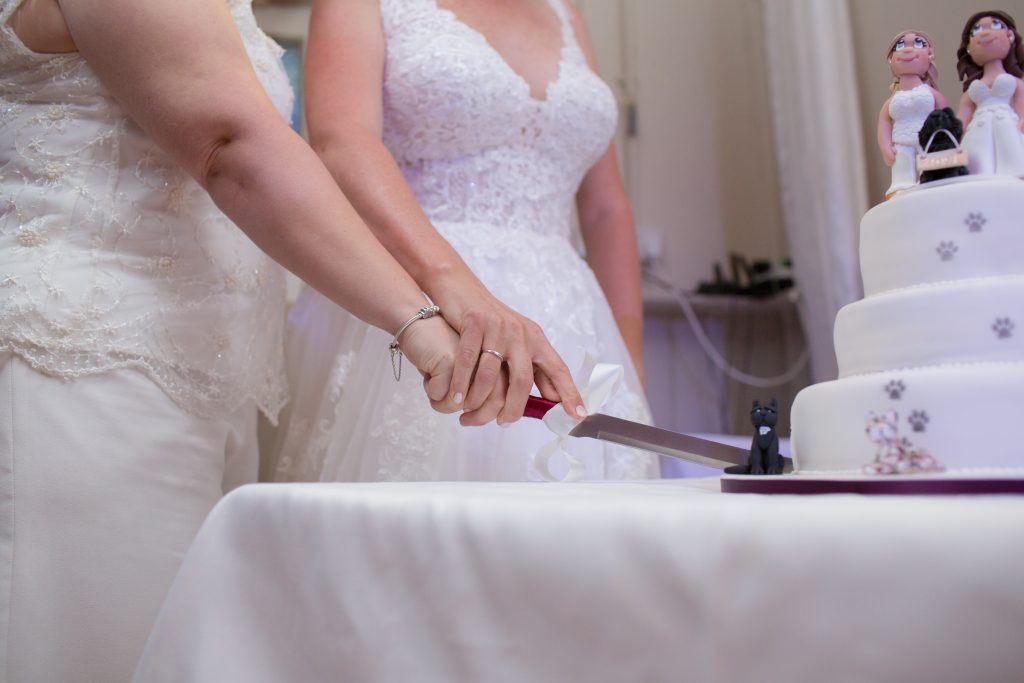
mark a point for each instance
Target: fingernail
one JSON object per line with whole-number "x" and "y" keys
{"x": 581, "y": 411}
{"x": 504, "y": 425}
{"x": 457, "y": 398}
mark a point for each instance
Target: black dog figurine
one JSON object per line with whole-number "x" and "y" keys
{"x": 764, "y": 449}
{"x": 938, "y": 120}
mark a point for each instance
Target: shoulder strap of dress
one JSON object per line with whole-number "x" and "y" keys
{"x": 565, "y": 19}
{"x": 7, "y": 8}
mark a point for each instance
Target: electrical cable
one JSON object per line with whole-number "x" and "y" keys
{"x": 709, "y": 348}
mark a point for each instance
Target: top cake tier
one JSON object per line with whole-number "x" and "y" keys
{"x": 966, "y": 228}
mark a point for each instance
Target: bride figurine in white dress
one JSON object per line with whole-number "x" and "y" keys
{"x": 991, "y": 63}
{"x": 914, "y": 96}
{"x": 480, "y": 123}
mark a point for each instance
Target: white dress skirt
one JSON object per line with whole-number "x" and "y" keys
{"x": 104, "y": 482}
{"x": 496, "y": 170}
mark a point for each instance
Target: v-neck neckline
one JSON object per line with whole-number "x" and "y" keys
{"x": 546, "y": 90}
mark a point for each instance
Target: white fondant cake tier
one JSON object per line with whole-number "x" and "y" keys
{"x": 952, "y": 322}
{"x": 964, "y": 228}
{"x": 967, "y": 416}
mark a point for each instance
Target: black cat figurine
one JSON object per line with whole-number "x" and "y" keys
{"x": 764, "y": 449}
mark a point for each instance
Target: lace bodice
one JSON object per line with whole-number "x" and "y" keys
{"x": 112, "y": 256}
{"x": 909, "y": 109}
{"x": 1001, "y": 92}
{"x": 998, "y": 96}
{"x": 473, "y": 143}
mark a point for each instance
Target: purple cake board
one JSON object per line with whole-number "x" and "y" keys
{"x": 895, "y": 485}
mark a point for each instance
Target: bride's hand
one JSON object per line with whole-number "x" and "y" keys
{"x": 432, "y": 349}
{"x": 483, "y": 322}
{"x": 431, "y": 346}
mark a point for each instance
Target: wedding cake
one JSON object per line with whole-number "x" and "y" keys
{"x": 931, "y": 361}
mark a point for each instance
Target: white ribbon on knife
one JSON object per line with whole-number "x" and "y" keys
{"x": 604, "y": 380}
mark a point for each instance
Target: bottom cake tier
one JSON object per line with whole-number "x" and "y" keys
{"x": 965, "y": 418}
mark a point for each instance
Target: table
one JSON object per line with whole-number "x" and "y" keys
{"x": 637, "y": 581}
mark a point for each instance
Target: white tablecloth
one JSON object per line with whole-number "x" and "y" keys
{"x": 654, "y": 581}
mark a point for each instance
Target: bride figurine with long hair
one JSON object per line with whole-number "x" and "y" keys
{"x": 990, "y": 65}
{"x": 914, "y": 95}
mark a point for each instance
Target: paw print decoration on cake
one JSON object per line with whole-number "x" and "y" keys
{"x": 947, "y": 250}
{"x": 1003, "y": 327}
{"x": 895, "y": 389}
{"x": 975, "y": 222}
{"x": 919, "y": 420}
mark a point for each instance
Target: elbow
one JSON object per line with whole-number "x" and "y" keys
{"x": 212, "y": 163}
{"x": 231, "y": 150}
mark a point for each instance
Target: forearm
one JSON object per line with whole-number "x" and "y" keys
{"x": 884, "y": 132}
{"x": 965, "y": 111}
{"x": 610, "y": 241}
{"x": 270, "y": 182}
{"x": 365, "y": 170}
{"x": 368, "y": 174}
{"x": 1018, "y": 101}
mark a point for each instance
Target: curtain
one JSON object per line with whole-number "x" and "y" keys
{"x": 820, "y": 156}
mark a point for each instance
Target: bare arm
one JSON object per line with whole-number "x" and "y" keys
{"x": 1018, "y": 102}
{"x": 181, "y": 72}
{"x": 885, "y": 135}
{"x": 940, "y": 100}
{"x": 344, "y": 110}
{"x": 606, "y": 224}
{"x": 966, "y": 110}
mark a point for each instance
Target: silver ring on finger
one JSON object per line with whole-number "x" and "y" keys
{"x": 494, "y": 353}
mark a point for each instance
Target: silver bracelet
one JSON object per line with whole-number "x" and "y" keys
{"x": 395, "y": 349}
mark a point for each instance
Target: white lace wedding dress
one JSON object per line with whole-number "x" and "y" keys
{"x": 496, "y": 170}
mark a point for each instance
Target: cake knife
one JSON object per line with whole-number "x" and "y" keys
{"x": 648, "y": 438}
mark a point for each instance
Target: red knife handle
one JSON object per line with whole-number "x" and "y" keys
{"x": 538, "y": 407}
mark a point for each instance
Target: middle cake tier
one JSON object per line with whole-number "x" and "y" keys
{"x": 965, "y": 321}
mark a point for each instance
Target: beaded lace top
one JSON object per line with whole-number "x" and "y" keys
{"x": 111, "y": 256}
{"x": 473, "y": 143}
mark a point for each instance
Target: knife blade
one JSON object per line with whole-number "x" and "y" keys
{"x": 661, "y": 441}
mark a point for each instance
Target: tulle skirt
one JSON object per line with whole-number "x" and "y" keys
{"x": 349, "y": 420}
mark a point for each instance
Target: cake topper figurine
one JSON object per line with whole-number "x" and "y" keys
{"x": 990, "y": 63}
{"x": 914, "y": 95}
